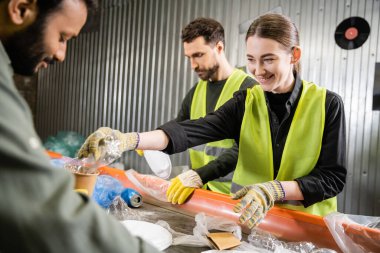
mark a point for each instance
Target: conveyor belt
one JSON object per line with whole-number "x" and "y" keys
{"x": 287, "y": 225}
{"x": 177, "y": 221}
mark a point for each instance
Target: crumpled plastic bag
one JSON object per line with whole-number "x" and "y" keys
{"x": 263, "y": 239}
{"x": 152, "y": 185}
{"x": 66, "y": 143}
{"x": 354, "y": 233}
{"x": 121, "y": 211}
{"x": 106, "y": 190}
{"x": 245, "y": 247}
{"x": 203, "y": 225}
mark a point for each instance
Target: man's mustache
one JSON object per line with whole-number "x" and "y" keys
{"x": 49, "y": 60}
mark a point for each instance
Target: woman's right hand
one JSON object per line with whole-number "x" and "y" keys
{"x": 98, "y": 139}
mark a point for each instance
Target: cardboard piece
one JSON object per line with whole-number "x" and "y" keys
{"x": 223, "y": 240}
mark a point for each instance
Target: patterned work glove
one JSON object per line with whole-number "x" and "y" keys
{"x": 97, "y": 140}
{"x": 257, "y": 200}
{"x": 182, "y": 186}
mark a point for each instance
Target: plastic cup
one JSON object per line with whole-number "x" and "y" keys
{"x": 85, "y": 182}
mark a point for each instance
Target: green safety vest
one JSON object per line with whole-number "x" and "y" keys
{"x": 302, "y": 147}
{"x": 203, "y": 154}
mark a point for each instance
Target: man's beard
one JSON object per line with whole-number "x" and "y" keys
{"x": 25, "y": 49}
{"x": 207, "y": 74}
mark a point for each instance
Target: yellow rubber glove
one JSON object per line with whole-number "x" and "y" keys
{"x": 182, "y": 186}
{"x": 257, "y": 200}
{"x": 97, "y": 140}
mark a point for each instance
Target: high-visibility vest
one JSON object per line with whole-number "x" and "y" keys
{"x": 203, "y": 154}
{"x": 302, "y": 147}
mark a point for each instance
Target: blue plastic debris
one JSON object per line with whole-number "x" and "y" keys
{"x": 108, "y": 188}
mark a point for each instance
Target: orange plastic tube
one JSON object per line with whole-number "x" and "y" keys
{"x": 368, "y": 238}
{"x": 286, "y": 224}
{"x": 53, "y": 155}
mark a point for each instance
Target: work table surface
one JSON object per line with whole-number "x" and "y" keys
{"x": 177, "y": 221}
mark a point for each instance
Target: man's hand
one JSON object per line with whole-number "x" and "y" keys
{"x": 257, "y": 200}
{"x": 182, "y": 186}
{"x": 98, "y": 139}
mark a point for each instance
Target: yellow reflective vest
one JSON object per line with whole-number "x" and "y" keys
{"x": 302, "y": 147}
{"x": 203, "y": 154}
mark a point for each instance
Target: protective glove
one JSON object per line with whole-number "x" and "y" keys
{"x": 97, "y": 140}
{"x": 182, "y": 186}
{"x": 257, "y": 200}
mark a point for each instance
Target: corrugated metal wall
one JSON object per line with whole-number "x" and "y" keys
{"x": 131, "y": 74}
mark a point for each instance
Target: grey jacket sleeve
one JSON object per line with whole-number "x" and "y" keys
{"x": 39, "y": 211}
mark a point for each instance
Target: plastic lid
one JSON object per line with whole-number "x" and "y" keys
{"x": 159, "y": 163}
{"x": 154, "y": 234}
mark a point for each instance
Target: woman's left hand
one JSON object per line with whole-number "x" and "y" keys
{"x": 257, "y": 200}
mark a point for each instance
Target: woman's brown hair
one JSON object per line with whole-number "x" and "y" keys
{"x": 279, "y": 28}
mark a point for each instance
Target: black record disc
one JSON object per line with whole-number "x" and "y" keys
{"x": 352, "y": 32}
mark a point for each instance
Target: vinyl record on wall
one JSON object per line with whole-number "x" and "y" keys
{"x": 352, "y": 32}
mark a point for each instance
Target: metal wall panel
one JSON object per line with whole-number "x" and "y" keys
{"x": 132, "y": 75}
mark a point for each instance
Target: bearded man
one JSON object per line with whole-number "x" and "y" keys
{"x": 204, "y": 46}
{"x": 39, "y": 211}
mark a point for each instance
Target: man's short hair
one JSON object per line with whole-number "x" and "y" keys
{"x": 211, "y": 30}
{"x": 47, "y": 7}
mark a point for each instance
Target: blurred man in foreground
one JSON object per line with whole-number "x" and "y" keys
{"x": 39, "y": 210}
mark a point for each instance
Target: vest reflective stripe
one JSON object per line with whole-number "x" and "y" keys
{"x": 203, "y": 154}
{"x": 211, "y": 151}
{"x": 235, "y": 187}
{"x": 302, "y": 147}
